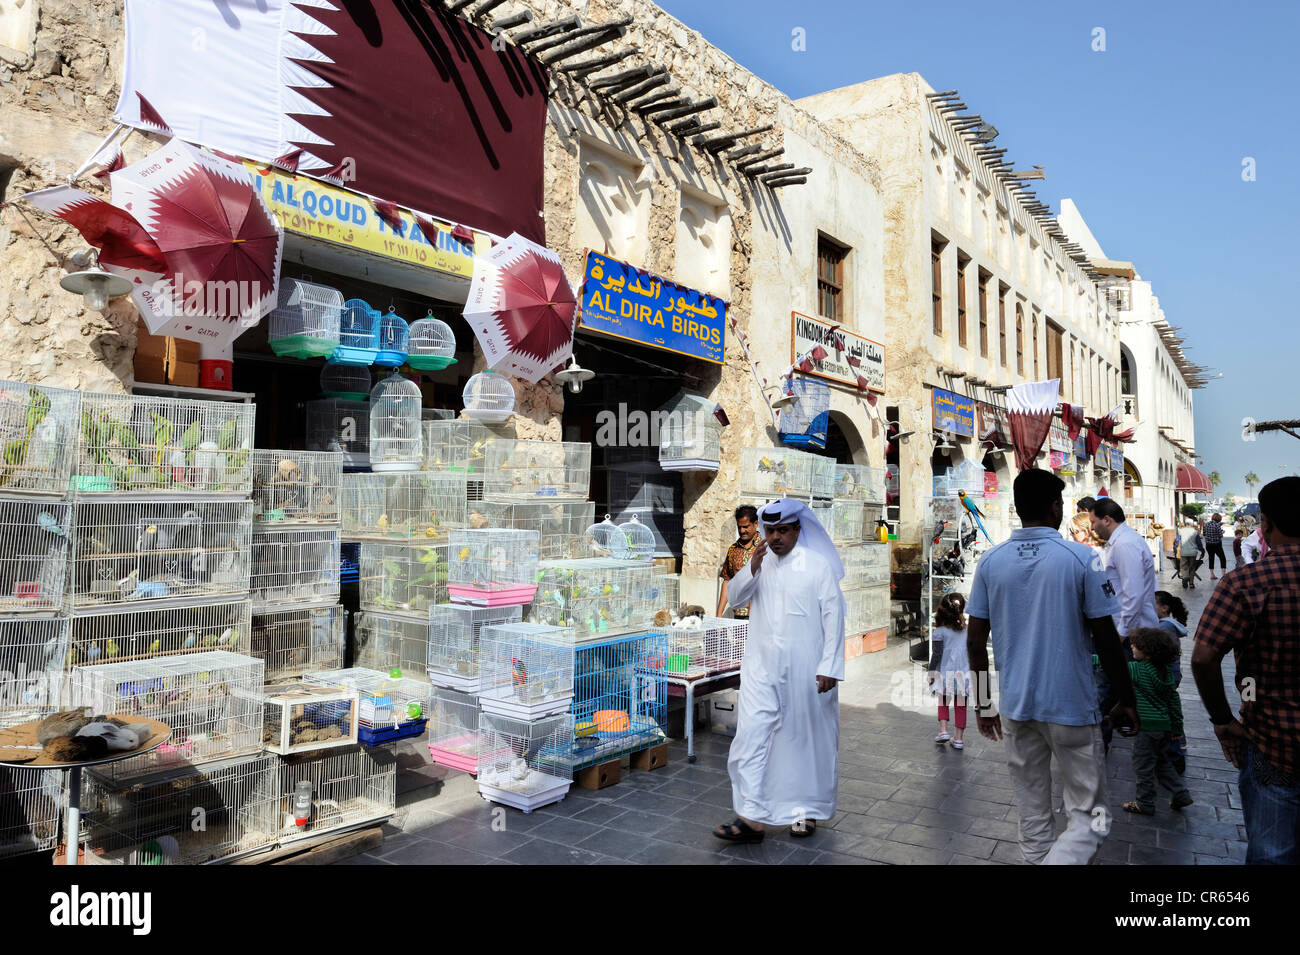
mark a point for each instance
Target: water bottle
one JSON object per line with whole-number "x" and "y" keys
{"x": 302, "y": 803}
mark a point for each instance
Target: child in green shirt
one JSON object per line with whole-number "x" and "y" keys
{"x": 1161, "y": 713}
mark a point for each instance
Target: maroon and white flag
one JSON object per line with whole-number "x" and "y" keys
{"x": 1072, "y": 415}
{"x": 1030, "y": 409}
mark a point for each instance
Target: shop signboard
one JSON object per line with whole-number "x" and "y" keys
{"x": 625, "y": 302}
{"x": 1080, "y": 448}
{"x": 990, "y": 483}
{"x": 953, "y": 413}
{"x": 321, "y": 211}
{"x": 1117, "y": 457}
{"x": 843, "y": 348}
{"x": 1102, "y": 457}
{"x": 1059, "y": 440}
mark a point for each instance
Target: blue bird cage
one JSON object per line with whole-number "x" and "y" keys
{"x": 394, "y": 340}
{"x": 804, "y": 424}
{"x": 620, "y": 698}
{"x": 358, "y": 335}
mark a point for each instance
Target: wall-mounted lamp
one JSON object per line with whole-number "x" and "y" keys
{"x": 93, "y": 284}
{"x": 574, "y": 376}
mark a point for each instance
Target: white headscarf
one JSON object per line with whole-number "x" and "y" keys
{"x": 811, "y": 533}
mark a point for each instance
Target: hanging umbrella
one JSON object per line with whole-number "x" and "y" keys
{"x": 521, "y": 308}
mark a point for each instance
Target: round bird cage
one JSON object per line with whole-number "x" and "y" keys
{"x": 349, "y": 382}
{"x": 358, "y": 334}
{"x": 607, "y": 539}
{"x": 640, "y": 540}
{"x": 489, "y": 397}
{"x": 396, "y": 435}
{"x": 433, "y": 345}
{"x": 305, "y": 320}
{"x": 394, "y": 340}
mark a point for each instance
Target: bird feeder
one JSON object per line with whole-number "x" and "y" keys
{"x": 305, "y": 322}
{"x": 358, "y": 334}
{"x": 394, "y": 340}
{"x": 396, "y": 442}
{"x": 640, "y": 540}
{"x": 433, "y": 345}
{"x": 607, "y": 539}
{"x": 349, "y": 382}
{"x": 489, "y": 397}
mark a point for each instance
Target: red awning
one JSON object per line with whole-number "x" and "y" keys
{"x": 1193, "y": 480}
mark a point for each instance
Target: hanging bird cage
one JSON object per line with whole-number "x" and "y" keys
{"x": 358, "y": 335}
{"x": 804, "y": 424}
{"x": 640, "y": 540}
{"x": 349, "y": 382}
{"x": 607, "y": 539}
{"x": 489, "y": 397}
{"x": 396, "y": 441}
{"x": 394, "y": 341}
{"x": 337, "y": 425}
{"x": 690, "y": 436}
{"x": 433, "y": 345}
{"x": 305, "y": 322}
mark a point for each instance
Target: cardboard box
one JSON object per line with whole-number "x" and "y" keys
{"x": 656, "y": 757}
{"x": 182, "y": 363}
{"x": 600, "y": 775}
{"x": 150, "y": 358}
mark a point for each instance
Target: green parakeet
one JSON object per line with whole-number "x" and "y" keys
{"x": 38, "y": 406}
{"x": 162, "y": 435}
{"x": 226, "y": 436}
{"x": 190, "y": 439}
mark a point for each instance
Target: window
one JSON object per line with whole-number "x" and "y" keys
{"x": 962, "y": 261}
{"x": 984, "y": 312}
{"x": 830, "y": 279}
{"x": 1055, "y": 363}
{"x": 936, "y": 283}
{"x": 1002, "y": 322}
{"x": 1033, "y": 342}
{"x": 1020, "y": 339}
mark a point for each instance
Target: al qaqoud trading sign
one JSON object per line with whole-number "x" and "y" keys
{"x": 806, "y": 333}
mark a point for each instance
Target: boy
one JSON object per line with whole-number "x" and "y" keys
{"x": 1161, "y": 713}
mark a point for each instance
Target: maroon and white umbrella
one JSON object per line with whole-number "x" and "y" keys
{"x": 522, "y": 308}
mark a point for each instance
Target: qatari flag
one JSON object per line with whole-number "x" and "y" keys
{"x": 1073, "y": 417}
{"x": 1030, "y": 409}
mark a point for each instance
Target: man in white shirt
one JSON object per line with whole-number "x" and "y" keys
{"x": 1129, "y": 568}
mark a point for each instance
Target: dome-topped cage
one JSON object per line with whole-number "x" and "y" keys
{"x": 805, "y": 423}
{"x": 606, "y": 539}
{"x": 305, "y": 320}
{"x": 394, "y": 339}
{"x": 433, "y": 345}
{"x": 349, "y": 382}
{"x": 489, "y": 397}
{"x": 396, "y": 442}
{"x": 640, "y": 540}
{"x": 358, "y": 334}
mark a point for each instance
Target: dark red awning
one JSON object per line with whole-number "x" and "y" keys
{"x": 1193, "y": 480}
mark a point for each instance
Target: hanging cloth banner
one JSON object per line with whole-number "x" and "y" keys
{"x": 1030, "y": 408}
{"x": 1072, "y": 416}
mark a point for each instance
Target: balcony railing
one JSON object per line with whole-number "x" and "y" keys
{"x": 1130, "y": 404}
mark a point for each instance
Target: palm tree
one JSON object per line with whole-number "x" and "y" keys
{"x": 1215, "y": 479}
{"x": 1251, "y": 480}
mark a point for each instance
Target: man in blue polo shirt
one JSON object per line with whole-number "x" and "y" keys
{"x": 1049, "y": 606}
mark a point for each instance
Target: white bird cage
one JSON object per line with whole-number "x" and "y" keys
{"x": 458, "y": 446}
{"x": 532, "y": 469}
{"x": 31, "y": 806}
{"x": 349, "y": 788}
{"x": 455, "y": 632}
{"x": 145, "y": 444}
{"x": 607, "y": 539}
{"x": 690, "y": 435}
{"x": 394, "y": 339}
{"x": 211, "y": 700}
{"x": 598, "y": 597}
{"x": 305, "y": 321}
{"x": 860, "y": 483}
{"x": 33, "y": 654}
{"x": 402, "y": 578}
{"x": 717, "y": 645}
{"x": 821, "y": 476}
{"x": 153, "y": 822}
{"x": 664, "y": 597}
{"x": 527, "y": 669}
{"x": 39, "y": 429}
{"x": 297, "y": 486}
{"x": 846, "y": 523}
{"x": 154, "y": 550}
{"x": 396, "y": 438}
{"x": 295, "y": 641}
{"x": 560, "y": 525}
{"x": 524, "y": 764}
{"x": 34, "y": 558}
{"x": 775, "y": 472}
{"x": 640, "y": 540}
{"x": 493, "y": 567}
{"x": 337, "y": 425}
{"x": 126, "y": 633}
{"x": 386, "y": 642}
{"x": 453, "y": 730}
{"x": 349, "y": 382}
{"x": 433, "y": 345}
{"x": 302, "y": 716}
{"x": 391, "y": 707}
{"x": 489, "y": 397}
{"x": 403, "y": 505}
{"x": 297, "y": 565}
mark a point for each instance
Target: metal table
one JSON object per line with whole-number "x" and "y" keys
{"x": 688, "y": 684}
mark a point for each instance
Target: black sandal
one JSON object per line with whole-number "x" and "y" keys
{"x": 803, "y": 830}
{"x": 739, "y": 831}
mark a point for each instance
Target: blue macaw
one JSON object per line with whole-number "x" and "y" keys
{"x": 974, "y": 512}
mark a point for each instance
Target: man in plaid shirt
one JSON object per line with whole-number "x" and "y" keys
{"x": 1255, "y": 612}
{"x": 1213, "y": 537}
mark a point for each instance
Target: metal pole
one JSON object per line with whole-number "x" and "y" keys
{"x": 73, "y": 825}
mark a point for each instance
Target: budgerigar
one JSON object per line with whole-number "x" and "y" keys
{"x": 48, "y": 522}
{"x": 975, "y": 513}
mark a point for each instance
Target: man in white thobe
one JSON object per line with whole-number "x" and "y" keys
{"x": 783, "y": 761}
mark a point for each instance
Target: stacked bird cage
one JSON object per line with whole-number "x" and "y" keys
{"x": 404, "y": 504}
{"x": 131, "y": 632}
{"x": 524, "y": 764}
{"x": 663, "y": 595}
{"x": 822, "y": 477}
{"x": 455, "y": 634}
{"x": 348, "y": 382}
{"x": 31, "y": 804}
{"x": 527, "y": 669}
{"x": 690, "y": 435}
{"x": 598, "y": 596}
{"x": 559, "y": 524}
{"x": 189, "y": 816}
{"x": 33, "y": 653}
{"x": 349, "y": 788}
{"x": 148, "y": 445}
{"x": 34, "y": 560}
{"x": 529, "y": 469}
{"x": 396, "y": 436}
{"x": 39, "y": 431}
{"x": 846, "y": 521}
{"x": 212, "y": 700}
{"x": 775, "y": 472}
{"x": 865, "y": 586}
{"x": 857, "y": 482}
{"x": 403, "y": 578}
{"x": 392, "y": 708}
{"x": 458, "y": 445}
{"x": 303, "y": 716}
{"x": 337, "y": 424}
{"x": 299, "y": 487}
{"x": 804, "y": 423}
{"x": 620, "y": 697}
{"x": 295, "y": 641}
{"x": 305, "y": 321}
{"x": 493, "y": 567}
{"x": 453, "y": 730}
{"x": 700, "y": 646}
{"x": 294, "y": 565}
{"x": 386, "y": 642}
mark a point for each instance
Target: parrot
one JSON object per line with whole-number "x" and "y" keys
{"x": 38, "y": 406}
{"x": 228, "y": 636}
{"x": 125, "y": 439}
{"x": 190, "y": 439}
{"x": 162, "y": 436}
{"x": 92, "y": 652}
{"x": 210, "y": 640}
{"x": 382, "y": 523}
{"x": 15, "y": 453}
{"x": 975, "y": 513}
{"x": 477, "y": 450}
{"x": 226, "y": 436}
{"x": 520, "y": 675}
{"x": 155, "y": 646}
{"x": 48, "y": 522}
{"x": 111, "y": 648}
{"x": 190, "y": 640}
{"x": 464, "y": 554}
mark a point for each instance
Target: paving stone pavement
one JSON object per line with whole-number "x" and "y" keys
{"x": 902, "y": 799}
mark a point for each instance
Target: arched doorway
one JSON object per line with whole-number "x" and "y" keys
{"x": 844, "y": 442}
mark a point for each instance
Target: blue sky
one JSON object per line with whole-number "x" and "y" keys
{"x": 1147, "y": 137}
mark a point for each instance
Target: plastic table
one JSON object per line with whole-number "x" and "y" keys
{"x": 688, "y": 685}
